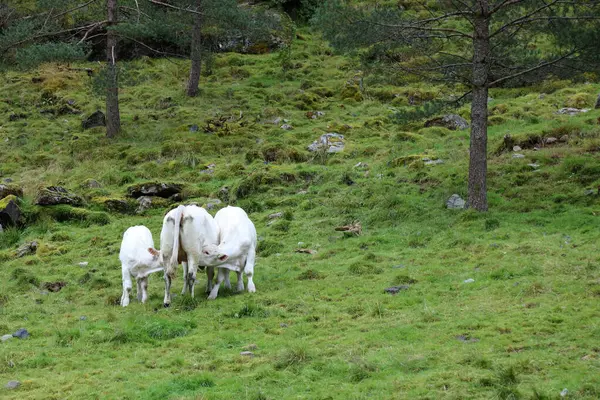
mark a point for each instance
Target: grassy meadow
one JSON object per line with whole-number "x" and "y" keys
{"x": 320, "y": 325}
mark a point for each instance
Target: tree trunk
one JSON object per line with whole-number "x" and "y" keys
{"x": 113, "y": 119}
{"x": 479, "y": 109}
{"x": 196, "y": 53}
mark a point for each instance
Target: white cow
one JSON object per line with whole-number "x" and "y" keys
{"x": 138, "y": 259}
{"x": 186, "y": 229}
{"x": 236, "y": 250}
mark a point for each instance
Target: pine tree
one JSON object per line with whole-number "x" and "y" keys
{"x": 477, "y": 43}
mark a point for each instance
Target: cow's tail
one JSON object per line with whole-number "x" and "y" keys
{"x": 175, "y": 255}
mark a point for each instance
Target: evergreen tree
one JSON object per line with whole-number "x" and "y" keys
{"x": 478, "y": 43}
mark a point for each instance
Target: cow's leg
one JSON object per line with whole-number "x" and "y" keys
{"x": 167, "y": 300}
{"x": 185, "y": 277}
{"x": 126, "y": 287}
{"x": 138, "y": 282}
{"x": 240, "y": 282}
{"x": 210, "y": 275}
{"x": 226, "y": 282}
{"x": 143, "y": 283}
{"x": 249, "y": 268}
{"x": 191, "y": 275}
{"x": 215, "y": 290}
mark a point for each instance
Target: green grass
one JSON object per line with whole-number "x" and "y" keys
{"x": 527, "y": 327}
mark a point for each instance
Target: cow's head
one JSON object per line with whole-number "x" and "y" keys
{"x": 213, "y": 256}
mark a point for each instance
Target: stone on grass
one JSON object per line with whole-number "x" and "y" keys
{"x": 10, "y": 213}
{"x": 247, "y": 354}
{"x": 6, "y": 337}
{"x": 455, "y": 202}
{"x": 159, "y": 189}
{"x": 12, "y": 385}
{"x": 396, "y": 289}
{"x": 517, "y": 148}
{"x": 564, "y": 392}
{"x": 428, "y": 161}
{"x": 451, "y": 121}
{"x": 518, "y": 155}
{"x": 95, "y": 119}
{"x": 470, "y": 280}
{"x": 276, "y": 215}
{"x": 534, "y": 165}
{"x": 550, "y": 140}
{"x": 91, "y": 184}
{"x": 83, "y": 264}
{"x": 572, "y": 111}
{"x": 286, "y": 127}
{"x": 27, "y": 249}
{"x": 467, "y": 339}
{"x": 8, "y": 189}
{"x": 21, "y": 333}
{"x": 53, "y": 195}
{"x": 332, "y": 142}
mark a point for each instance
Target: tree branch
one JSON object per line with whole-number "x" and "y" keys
{"x": 160, "y": 3}
{"x": 542, "y": 65}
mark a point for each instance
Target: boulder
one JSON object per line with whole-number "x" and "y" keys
{"x": 123, "y": 206}
{"x": 451, "y": 121}
{"x": 53, "y": 195}
{"x": 10, "y": 213}
{"x": 95, "y": 119}
{"x": 8, "y": 189}
{"x": 332, "y": 142}
{"x": 158, "y": 189}
{"x": 27, "y": 249}
{"x": 572, "y": 111}
{"x": 91, "y": 184}
{"x": 455, "y": 202}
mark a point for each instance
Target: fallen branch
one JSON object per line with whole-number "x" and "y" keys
{"x": 354, "y": 228}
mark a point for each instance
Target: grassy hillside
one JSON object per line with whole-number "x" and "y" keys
{"x": 320, "y": 325}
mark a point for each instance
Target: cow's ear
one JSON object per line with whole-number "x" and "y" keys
{"x": 223, "y": 257}
{"x": 154, "y": 252}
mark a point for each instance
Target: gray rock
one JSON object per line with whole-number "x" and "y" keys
{"x": 53, "y": 195}
{"x": 396, "y": 289}
{"x": 534, "y": 165}
{"x": 572, "y": 111}
{"x": 428, "y": 161}
{"x": 210, "y": 169}
{"x": 564, "y": 392}
{"x": 95, "y": 119}
{"x": 451, "y": 121}
{"x": 564, "y": 138}
{"x": 517, "y": 148}
{"x": 12, "y": 385}
{"x": 6, "y": 337}
{"x": 7, "y": 190}
{"x": 7, "y": 180}
{"x": 10, "y": 213}
{"x": 542, "y": 96}
{"x": 92, "y": 184}
{"x": 287, "y": 127}
{"x": 159, "y": 189}
{"x": 194, "y": 128}
{"x": 83, "y": 318}
{"x": 470, "y": 280}
{"x": 212, "y": 203}
{"x": 332, "y": 142}
{"x": 223, "y": 194}
{"x": 455, "y": 202}
{"x": 27, "y": 249}
{"x": 276, "y": 215}
{"x": 247, "y": 354}
{"x": 550, "y": 140}
{"x": 144, "y": 203}
{"x": 467, "y": 339}
{"x": 21, "y": 333}
{"x": 283, "y": 325}
{"x": 517, "y": 155}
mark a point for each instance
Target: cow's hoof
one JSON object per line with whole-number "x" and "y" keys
{"x": 166, "y": 305}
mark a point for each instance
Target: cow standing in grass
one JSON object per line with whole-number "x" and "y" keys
{"x": 138, "y": 259}
{"x": 186, "y": 229}
{"x": 236, "y": 250}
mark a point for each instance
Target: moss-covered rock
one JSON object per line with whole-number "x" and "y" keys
{"x": 10, "y": 188}
{"x": 159, "y": 189}
{"x": 123, "y": 206}
{"x": 10, "y": 213}
{"x": 66, "y": 213}
{"x": 53, "y": 195}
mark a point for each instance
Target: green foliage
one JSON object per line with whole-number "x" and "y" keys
{"x": 36, "y": 54}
